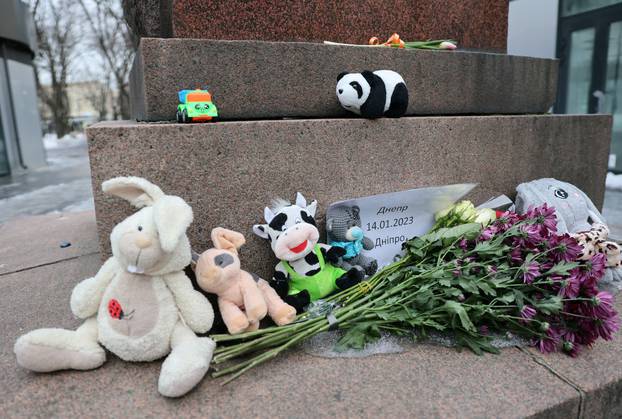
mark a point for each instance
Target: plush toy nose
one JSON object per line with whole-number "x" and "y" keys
{"x": 340, "y": 91}
{"x": 142, "y": 241}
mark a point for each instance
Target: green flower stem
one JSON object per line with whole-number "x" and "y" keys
{"x": 278, "y": 336}
{"x": 526, "y": 329}
{"x": 239, "y": 349}
{"x": 345, "y": 313}
{"x": 574, "y": 315}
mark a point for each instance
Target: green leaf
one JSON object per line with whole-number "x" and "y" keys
{"x": 485, "y": 247}
{"x": 508, "y": 298}
{"x": 453, "y": 292}
{"x": 562, "y": 268}
{"x": 444, "y": 282}
{"x": 478, "y": 344}
{"x": 551, "y": 305}
{"x": 468, "y": 231}
{"x": 468, "y": 284}
{"x": 358, "y": 336}
{"x": 454, "y": 307}
{"x": 488, "y": 290}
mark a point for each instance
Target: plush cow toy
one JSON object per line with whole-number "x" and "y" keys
{"x": 306, "y": 271}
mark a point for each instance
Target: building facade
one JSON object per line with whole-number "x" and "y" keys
{"x": 89, "y": 102}
{"x": 21, "y": 147}
{"x": 586, "y": 36}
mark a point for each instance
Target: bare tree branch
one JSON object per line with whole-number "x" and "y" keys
{"x": 111, "y": 37}
{"x": 57, "y": 46}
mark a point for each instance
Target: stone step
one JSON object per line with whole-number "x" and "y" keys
{"x": 228, "y": 171}
{"x": 421, "y": 382}
{"x": 266, "y": 80}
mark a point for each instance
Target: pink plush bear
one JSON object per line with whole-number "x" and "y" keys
{"x": 243, "y": 298}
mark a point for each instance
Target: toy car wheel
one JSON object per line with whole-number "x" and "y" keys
{"x": 178, "y": 116}
{"x": 184, "y": 116}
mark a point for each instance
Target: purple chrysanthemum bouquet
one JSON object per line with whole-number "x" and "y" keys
{"x": 516, "y": 275}
{"x": 573, "y": 313}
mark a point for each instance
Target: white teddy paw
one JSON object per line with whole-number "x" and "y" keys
{"x": 46, "y": 350}
{"x": 185, "y": 367}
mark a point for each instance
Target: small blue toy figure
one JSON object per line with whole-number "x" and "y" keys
{"x": 343, "y": 225}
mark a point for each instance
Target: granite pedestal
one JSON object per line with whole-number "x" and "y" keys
{"x": 228, "y": 171}
{"x": 259, "y": 80}
{"x": 480, "y": 24}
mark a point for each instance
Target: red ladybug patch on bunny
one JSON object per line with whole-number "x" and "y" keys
{"x": 116, "y": 311}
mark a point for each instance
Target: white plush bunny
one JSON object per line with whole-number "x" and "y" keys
{"x": 140, "y": 305}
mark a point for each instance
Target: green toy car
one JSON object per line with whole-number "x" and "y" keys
{"x": 195, "y": 106}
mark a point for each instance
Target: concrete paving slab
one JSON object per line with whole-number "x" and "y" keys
{"x": 37, "y": 240}
{"x": 264, "y": 80}
{"x": 61, "y": 186}
{"x": 597, "y": 372}
{"x": 228, "y": 171}
{"x": 425, "y": 381}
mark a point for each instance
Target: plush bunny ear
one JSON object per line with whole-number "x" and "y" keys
{"x": 138, "y": 191}
{"x": 227, "y": 239}
{"x": 172, "y": 216}
{"x": 261, "y": 230}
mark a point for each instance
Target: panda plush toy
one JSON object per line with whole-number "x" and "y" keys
{"x": 373, "y": 94}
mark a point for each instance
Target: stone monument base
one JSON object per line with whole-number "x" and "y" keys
{"x": 228, "y": 171}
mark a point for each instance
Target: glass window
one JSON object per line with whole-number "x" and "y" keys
{"x": 574, "y": 7}
{"x": 4, "y": 162}
{"x": 580, "y": 70}
{"x": 613, "y": 92}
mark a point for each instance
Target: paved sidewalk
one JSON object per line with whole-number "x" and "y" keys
{"x": 64, "y": 185}
{"x": 36, "y": 278}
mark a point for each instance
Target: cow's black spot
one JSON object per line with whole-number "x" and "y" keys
{"x": 279, "y": 276}
{"x": 311, "y": 259}
{"x": 307, "y": 218}
{"x": 278, "y": 221}
{"x": 312, "y": 272}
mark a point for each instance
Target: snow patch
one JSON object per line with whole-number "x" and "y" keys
{"x": 38, "y": 201}
{"x": 86, "y": 205}
{"x": 52, "y": 142}
{"x": 614, "y": 182}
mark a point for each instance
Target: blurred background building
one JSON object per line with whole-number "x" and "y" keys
{"x": 89, "y": 102}
{"x": 20, "y": 127}
{"x": 586, "y": 35}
